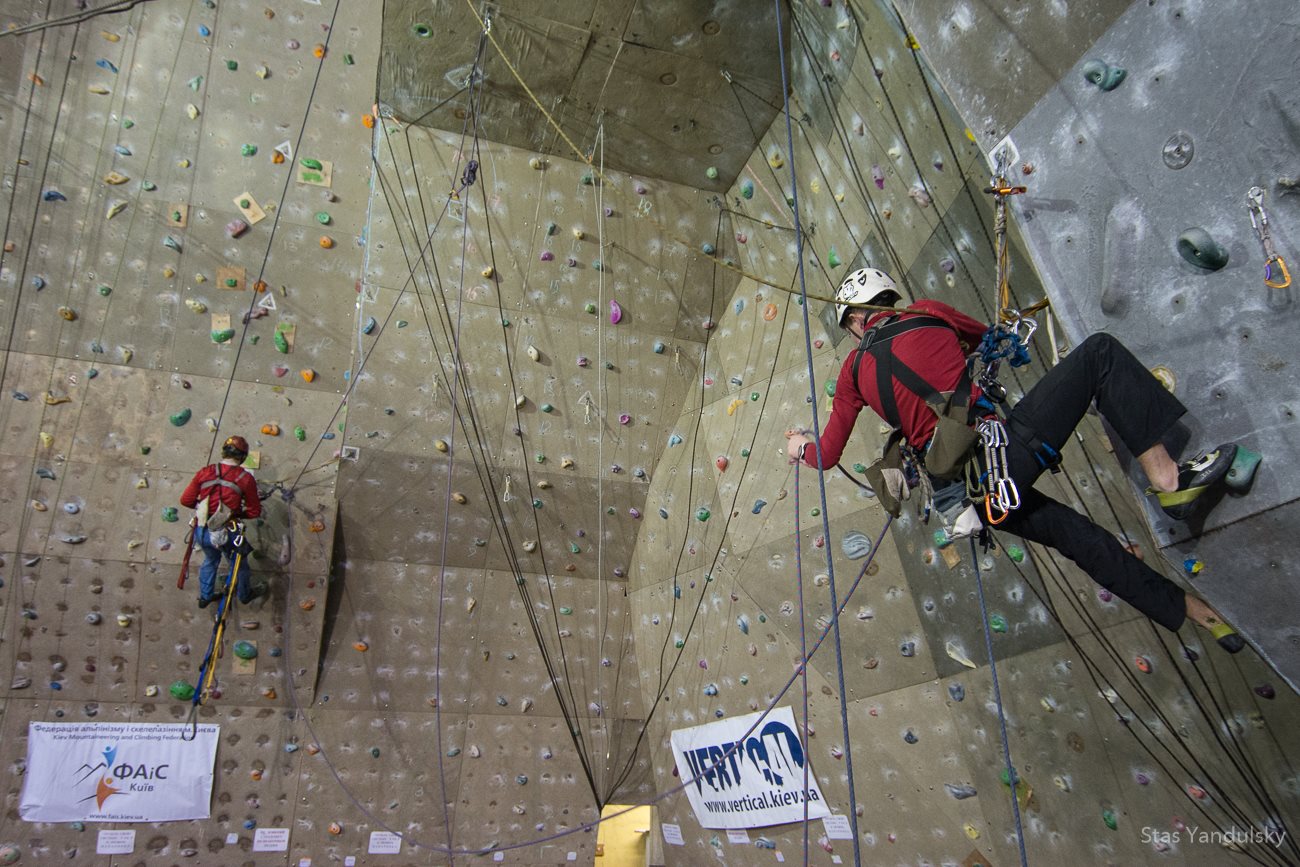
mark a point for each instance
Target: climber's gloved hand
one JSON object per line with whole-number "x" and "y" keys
{"x": 794, "y": 444}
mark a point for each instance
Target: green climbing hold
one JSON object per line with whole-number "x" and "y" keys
{"x": 816, "y": 512}
{"x": 747, "y": 189}
{"x": 347, "y": 60}
{"x": 679, "y": 643}
{"x": 105, "y": 291}
{"x": 574, "y": 549}
{"x": 249, "y": 150}
{"x": 223, "y": 335}
{"x": 299, "y": 434}
{"x": 1108, "y": 816}
{"x": 169, "y": 514}
{"x": 590, "y": 308}
{"x": 232, "y": 65}
{"x": 148, "y": 186}
{"x": 281, "y": 342}
{"x": 540, "y": 458}
{"x": 127, "y": 123}
{"x": 1197, "y": 247}
{"x": 1105, "y": 76}
{"x": 245, "y": 650}
{"x": 231, "y": 282}
{"x": 564, "y": 609}
{"x": 744, "y": 453}
{"x": 830, "y": 387}
{"x": 181, "y": 690}
{"x": 309, "y": 163}
{"x": 702, "y": 514}
{"x": 588, "y": 179}
{"x": 243, "y": 203}
{"x": 711, "y": 173}
{"x": 859, "y": 468}
{"x": 997, "y": 623}
{"x": 323, "y": 218}
{"x": 753, "y": 395}
{"x": 762, "y": 618}
{"x": 180, "y": 418}
{"x": 1016, "y": 553}
{"x": 374, "y": 752}
{"x": 537, "y": 504}
{"x": 144, "y": 450}
{"x": 254, "y": 339}
{"x": 833, "y": 258}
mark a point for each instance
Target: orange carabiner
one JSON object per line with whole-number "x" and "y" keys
{"x": 988, "y": 510}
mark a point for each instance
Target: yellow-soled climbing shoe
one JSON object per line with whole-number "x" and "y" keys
{"x": 1195, "y": 477}
{"x": 1227, "y": 637}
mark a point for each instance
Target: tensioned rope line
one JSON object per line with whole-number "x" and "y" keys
{"x": 1013, "y": 778}
{"x": 803, "y": 645}
{"x": 75, "y": 18}
{"x": 816, "y": 429}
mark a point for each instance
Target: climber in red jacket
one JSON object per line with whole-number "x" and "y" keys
{"x": 910, "y": 361}
{"x": 224, "y": 484}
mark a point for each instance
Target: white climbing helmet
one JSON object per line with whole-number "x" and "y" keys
{"x": 865, "y": 286}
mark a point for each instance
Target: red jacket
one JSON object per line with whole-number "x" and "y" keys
{"x": 937, "y": 354}
{"x": 241, "y": 498}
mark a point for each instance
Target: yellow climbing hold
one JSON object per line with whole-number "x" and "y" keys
{"x": 47, "y": 439}
{"x": 192, "y": 111}
{"x": 912, "y": 43}
{"x": 39, "y": 506}
{"x": 98, "y": 90}
{"x": 54, "y": 400}
{"x": 488, "y": 272}
{"x": 1166, "y": 377}
{"x": 971, "y": 831}
{"x": 579, "y": 234}
{"x": 68, "y": 313}
{"x": 734, "y": 405}
{"x": 115, "y": 178}
{"x": 775, "y": 160}
{"x": 459, "y": 498}
{"x": 110, "y": 37}
{"x": 196, "y": 305}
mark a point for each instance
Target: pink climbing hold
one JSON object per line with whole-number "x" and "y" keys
{"x": 741, "y": 237}
{"x": 236, "y": 227}
{"x": 547, "y": 255}
{"x": 615, "y": 313}
{"x": 582, "y": 361}
{"x": 721, "y": 463}
{"x": 279, "y": 370}
{"x": 625, "y": 419}
{"x": 878, "y": 175}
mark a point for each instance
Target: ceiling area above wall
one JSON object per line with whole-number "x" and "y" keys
{"x": 680, "y": 86}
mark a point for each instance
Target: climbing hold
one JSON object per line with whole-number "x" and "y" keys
{"x": 855, "y": 545}
{"x": 721, "y": 463}
{"x": 910, "y": 737}
{"x": 674, "y": 440}
{"x": 1197, "y": 247}
{"x": 1016, "y": 553}
{"x": 769, "y": 312}
{"x": 1178, "y": 150}
{"x": 908, "y": 649}
{"x": 1242, "y": 472}
{"x": 775, "y": 160}
{"x": 1143, "y": 664}
{"x": 169, "y": 514}
{"x": 271, "y": 430}
{"x": 308, "y": 375}
{"x": 708, "y": 249}
{"x": 245, "y": 650}
{"x": 1103, "y": 75}
{"x": 624, "y": 419}
{"x": 1192, "y": 566}
{"x": 1108, "y": 816}
{"x": 997, "y": 623}
{"x": 956, "y": 691}
{"x": 223, "y": 335}
{"x": 172, "y": 244}
{"x": 833, "y": 258}
{"x": 181, "y": 690}
{"x": 711, "y": 173}
{"x": 1266, "y": 691}
{"x": 180, "y": 418}
{"x": 615, "y": 312}
{"x": 702, "y": 514}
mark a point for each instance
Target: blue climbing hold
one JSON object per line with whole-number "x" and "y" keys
{"x": 674, "y": 440}
{"x": 742, "y": 623}
{"x": 205, "y": 31}
{"x": 758, "y": 506}
{"x": 369, "y": 326}
{"x": 54, "y": 196}
{"x": 856, "y": 545}
{"x": 709, "y": 249}
{"x": 104, "y": 63}
{"x": 956, "y": 691}
{"x": 663, "y": 513}
{"x": 961, "y": 793}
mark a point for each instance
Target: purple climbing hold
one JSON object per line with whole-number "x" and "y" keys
{"x": 615, "y": 312}
{"x": 609, "y": 212}
{"x": 947, "y": 264}
{"x": 634, "y": 512}
{"x": 583, "y": 361}
{"x": 236, "y": 227}
{"x": 878, "y": 175}
{"x": 1105, "y": 595}
{"x": 625, "y": 419}
{"x": 1141, "y": 779}
{"x": 547, "y": 255}
{"x": 1265, "y": 690}
{"x": 907, "y": 648}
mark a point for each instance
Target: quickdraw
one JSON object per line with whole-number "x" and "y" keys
{"x": 1259, "y": 221}
{"x": 1001, "y": 496}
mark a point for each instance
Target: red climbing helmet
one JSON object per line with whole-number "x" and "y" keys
{"x": 235, "y": 447}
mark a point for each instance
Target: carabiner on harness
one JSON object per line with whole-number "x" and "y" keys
{"x": 1001, "y": 496}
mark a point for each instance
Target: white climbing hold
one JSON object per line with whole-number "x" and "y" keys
{"x": 533, "y": 353}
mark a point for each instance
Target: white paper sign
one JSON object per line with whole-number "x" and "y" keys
{"x": 673, "y": 835}
{"x": 385, "y": 843}
{"x": 738, "y": 836}
{"x": 738, "y": 781}
{"x": 271, "y": 840}
{"x": 115, "y": 843}
{"x": 118, "y": 772}
{"x": 838, "y": 828}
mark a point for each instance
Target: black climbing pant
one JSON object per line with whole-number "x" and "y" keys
{"x": 1140, "y": 410}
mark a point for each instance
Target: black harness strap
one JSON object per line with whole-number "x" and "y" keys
{"x": 888, "y": 367}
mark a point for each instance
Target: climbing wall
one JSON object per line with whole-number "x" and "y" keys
{"x": 1138, "y": 142}
{"x": 1114, "y": 728}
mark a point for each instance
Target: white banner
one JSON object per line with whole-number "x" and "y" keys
{"x": 117, "y": 772}
{"x": 750, "y": 783}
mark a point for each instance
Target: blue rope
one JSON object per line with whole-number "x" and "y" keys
{"x": 1000, "y": 342}
{"x": 1012, "y": 778}
{"x": 803, "y": 652}
{"x": 821, "y": 474}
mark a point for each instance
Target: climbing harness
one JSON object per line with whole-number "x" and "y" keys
{"x": 207, "y": 679}
{"x": 1259, "y": 220}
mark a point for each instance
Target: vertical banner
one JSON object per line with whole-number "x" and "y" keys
{"x": 117, "y": 772}
{"x": 747, "y": 783}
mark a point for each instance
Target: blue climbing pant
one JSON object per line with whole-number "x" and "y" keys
{"x": 212, "y": 564}
{"x": 1141, "y": 411}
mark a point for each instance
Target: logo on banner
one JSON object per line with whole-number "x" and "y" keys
{"x": 748, "y": 779}
{"x": 112, "y": 774}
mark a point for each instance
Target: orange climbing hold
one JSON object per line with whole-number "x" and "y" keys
{"x": 271, "y": 430}
{"x": 307, "y": 604}
{"x": 319, "y": 51}
{"x": 326, "y": 242}
{"x": 1143, "y": 664}
{"x": 308, "y": 375}
{"x": 259, "y": 286}
{"x": 277, "y": 157}
{"x": 360, "y": 646}
{"x": 317, "y": 526}
{"x": 368, "y": 121}
{"x": 769, "y": 312}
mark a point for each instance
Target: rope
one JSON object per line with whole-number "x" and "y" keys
{"x": 803, "y": 647}
{"x": 1012, "y": 778}
{"x": 821, "y": 474}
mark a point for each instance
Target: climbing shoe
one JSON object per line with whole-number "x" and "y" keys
{"x": 205, "y": 601}
{"x": 1227, "y": 637}
{"x": 1195, "y": 477}
{"x": 256, "y": 592}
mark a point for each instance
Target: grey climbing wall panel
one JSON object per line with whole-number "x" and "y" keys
{"x": 1205, "y": 113}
